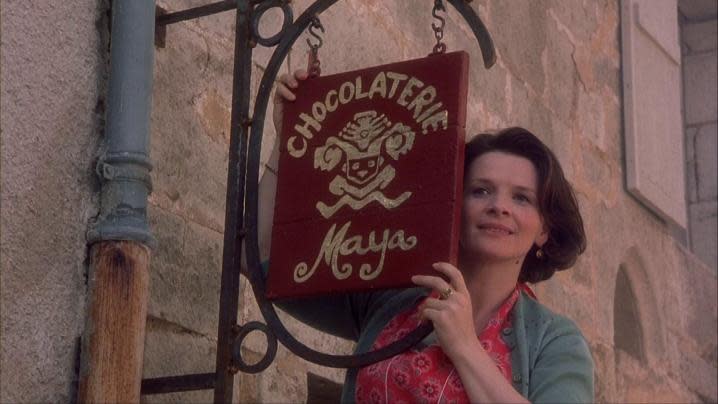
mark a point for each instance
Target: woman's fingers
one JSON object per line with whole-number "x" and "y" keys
{"x": 435, "y": 304}
{"x": 301, "y": 74}
{"x": 283, "y": 93}
{"x": 433, "y": 282}
{"x": 287, "y": 83}
{"x": 289, "y": 80}
{"x": 455, "y": 277}
{"x": 430, "y": 314}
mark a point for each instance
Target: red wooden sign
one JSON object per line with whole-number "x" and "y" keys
{"x": 370, "y": 173}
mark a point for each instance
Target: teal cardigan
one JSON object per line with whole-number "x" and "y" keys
{"x": 550, "y": 359}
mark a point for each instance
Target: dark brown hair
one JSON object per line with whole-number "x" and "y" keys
{"x": 557, "y": 202}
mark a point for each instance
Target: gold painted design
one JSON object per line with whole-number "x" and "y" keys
{"x": 364, "y": 170}
{"x": 336, "y": 245}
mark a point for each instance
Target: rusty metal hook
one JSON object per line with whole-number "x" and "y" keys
{"x": 438, "y": 6}
{"x": 316, "y": 23}
{"x": 440, "y": 47}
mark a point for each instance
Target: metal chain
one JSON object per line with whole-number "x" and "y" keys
{"x": 440, "y": 47}
{"x": 314, "y": 65}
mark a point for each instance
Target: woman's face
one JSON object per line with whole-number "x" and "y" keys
{"x": 500, "y": 215}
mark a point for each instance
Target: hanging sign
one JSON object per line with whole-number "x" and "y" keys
{"x": 370, "y": 178}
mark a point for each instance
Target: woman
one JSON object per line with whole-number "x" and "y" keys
{"x": 493, "y": 341}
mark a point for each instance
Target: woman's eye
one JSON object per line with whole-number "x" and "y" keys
{"x": 480, "y": 191}
{"x": 522, "y": 198}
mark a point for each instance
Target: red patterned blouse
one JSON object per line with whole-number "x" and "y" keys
{"x": 427, "y": 375}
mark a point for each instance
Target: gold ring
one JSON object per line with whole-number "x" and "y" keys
{"x": 443, "y": 295}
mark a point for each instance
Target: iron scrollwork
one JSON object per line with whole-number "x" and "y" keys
{"x": 257, "y": 16}
{"x": 238, "y": 363}
{"x": 255, "y": 275}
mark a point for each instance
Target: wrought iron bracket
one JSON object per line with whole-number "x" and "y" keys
{"x": 242, "y": 198}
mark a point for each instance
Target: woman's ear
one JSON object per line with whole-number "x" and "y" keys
{"x": 542, "y": 237}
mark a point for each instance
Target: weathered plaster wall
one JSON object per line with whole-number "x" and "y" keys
{"x": 700, "y": 53}
{"x": 53, "y": 73}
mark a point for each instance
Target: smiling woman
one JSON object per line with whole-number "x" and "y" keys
{"x": 492, "y": 340}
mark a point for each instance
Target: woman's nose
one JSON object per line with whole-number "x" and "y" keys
{"x": 498, "y": 206}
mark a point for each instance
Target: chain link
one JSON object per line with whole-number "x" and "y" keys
{"x": 314, "y": 66}
{"x": 440, "y": 47}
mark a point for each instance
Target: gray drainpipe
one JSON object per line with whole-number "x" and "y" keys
{"x": 125, "y": 165}
{"x": 114, "y": 334}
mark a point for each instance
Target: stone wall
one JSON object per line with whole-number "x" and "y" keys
{"x": 700, "y": 52}
{"x": 54, "y": 57}
{"x": 646, "y": 305}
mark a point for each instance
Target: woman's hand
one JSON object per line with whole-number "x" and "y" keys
{"x": 286, "y": 87}
{"x": 451, "y": 314}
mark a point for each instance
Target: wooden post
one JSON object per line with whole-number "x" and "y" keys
{"x": 113, "y": 342}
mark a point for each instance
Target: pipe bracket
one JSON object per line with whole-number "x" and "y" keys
{"x": 115, "y": 172}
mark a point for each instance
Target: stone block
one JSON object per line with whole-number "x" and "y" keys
{"x": 613, "y": 126}
{"x": 699, "y": 376}
{"x": 591, "y": 119}
{"x": 560, "y": 71}
{"x": 368, "y": 41}
{"x": 561, "y": 295}
{"x": 284, "y": 381}
{"x": 248, "y": 389}
{"x": 293, "y": 368}
{"x": 638, "y": 383}
{"x": 701, "y": 36}
{"x": 173, "y": 350}
{"x": 561, "y": 141}
{"x": 189, "y": 137}
{"x": 701, "y": 320}
{"x": 706, "y": 149}
{"x": 579, "y": 18}
{"x": 214, "y": 112}
{"x": 582, "y": 272}
{"x": 700, "y": 77}
{"x": 601, "y": 173}
{"x": 185, "y": 273}
{"x": 410, "y": 23}
{"x": 522, "y": 46}
{"x": 605, "y": 374}
{"x": 697, "y": 9}
{"x": 704, "y": 231}
{"x": 525, "y": 108}
{"x": 607, "y": 73}
{"x": 541, "y": 122}
{"x": 487, "y": 95}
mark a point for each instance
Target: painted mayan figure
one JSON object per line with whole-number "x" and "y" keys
{"x": 360, "y": 151}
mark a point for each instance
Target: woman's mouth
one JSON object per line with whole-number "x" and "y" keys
{"x": 495, "y": 229}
